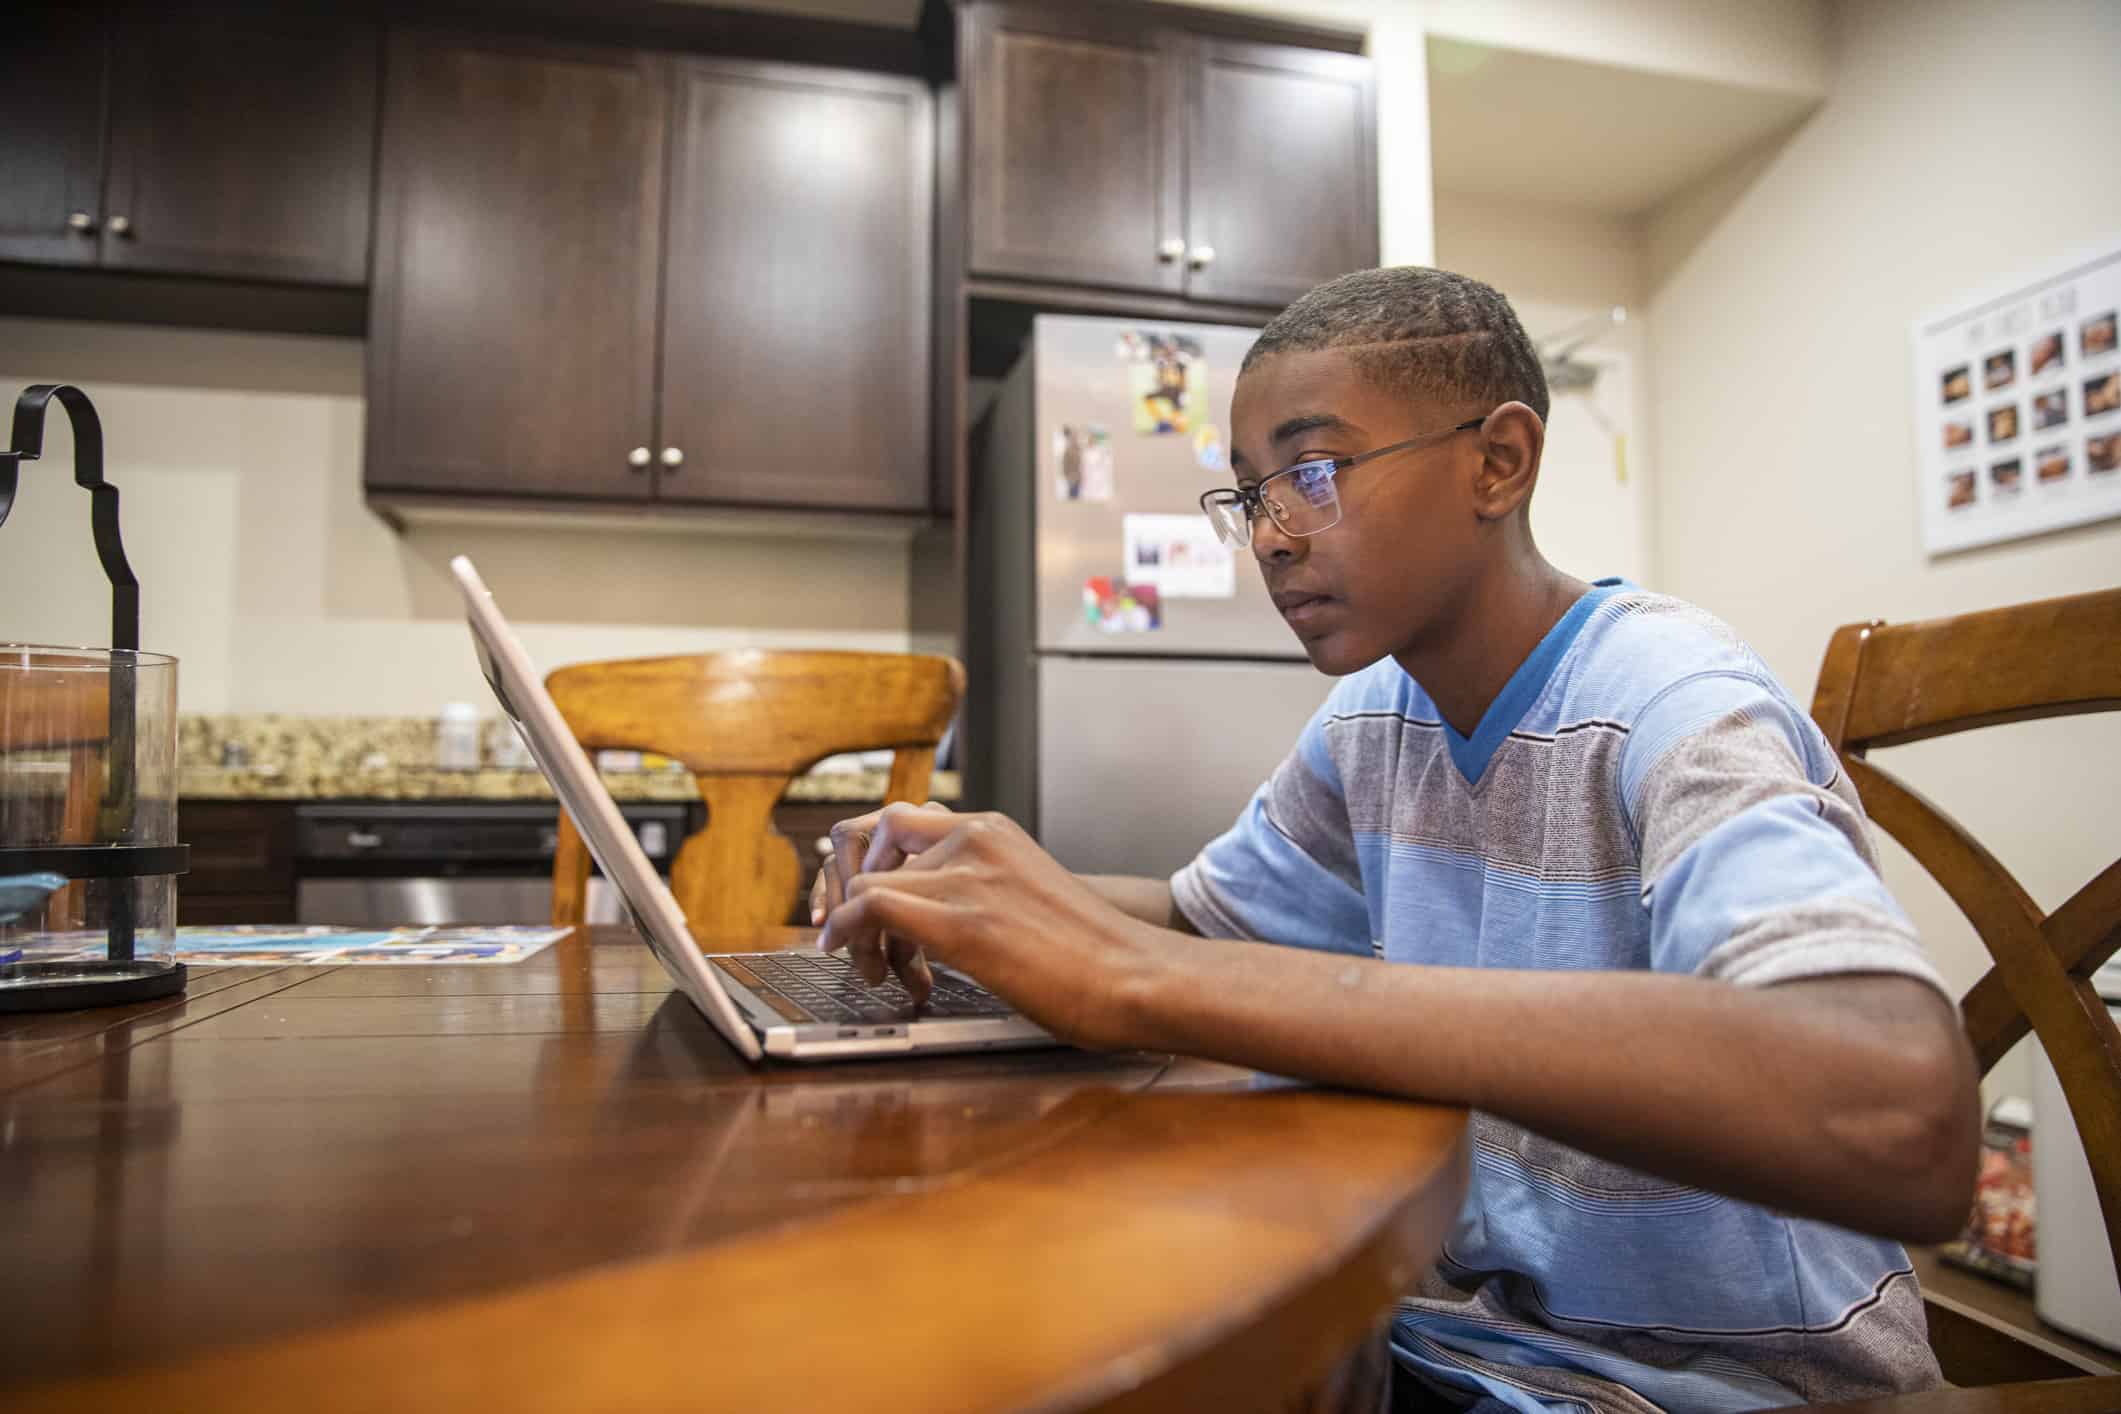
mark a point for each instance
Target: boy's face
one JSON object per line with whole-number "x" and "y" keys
{"x": 1415, "y": 526}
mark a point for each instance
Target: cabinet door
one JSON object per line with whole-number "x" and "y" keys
{"x": 795, "y": 315}
{"x": 512, "y": 326}
{"x": 51, "y": 134}
{"x": 242, "y": 144}
{"x": 1075, "y": 157}
{"x": 1281, "y": 181}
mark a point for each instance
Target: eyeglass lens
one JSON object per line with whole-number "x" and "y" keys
{"x": 1301, "y": 500}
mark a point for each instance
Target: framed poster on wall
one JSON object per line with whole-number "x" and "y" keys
{"x": 2018, "y": 406}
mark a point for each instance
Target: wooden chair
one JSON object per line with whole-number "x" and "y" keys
{"x": 67, "y": 712}
{"x": 745, "y": 723}
{"x": 1886, "y": 685}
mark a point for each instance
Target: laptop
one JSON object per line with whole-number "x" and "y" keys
{"x": 793, "y": 1005}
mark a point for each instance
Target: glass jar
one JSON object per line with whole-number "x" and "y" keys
{"x": 88, "y": 826}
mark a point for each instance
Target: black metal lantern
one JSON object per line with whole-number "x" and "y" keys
{"x": 88, "y": 777}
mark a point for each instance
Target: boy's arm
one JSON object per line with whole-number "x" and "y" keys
{"x": 1849, "y": 1099}
{"x": 1146, "y": 899}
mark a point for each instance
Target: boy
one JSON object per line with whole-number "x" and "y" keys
{"x": 1564, "y": 853}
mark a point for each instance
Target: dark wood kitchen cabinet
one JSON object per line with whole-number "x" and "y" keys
{"x": 1077, "y": 157}
{"x": 795, "y": 332}
{"x": 1281, "y": 169}
{"x": 1135, "y": 149}
{"x": 513, "y": 313}
{"x": 242, "y": 861}
{"x": 550, "y": 322}
{"x": 242, "y": 145}
{"x": 51, "y": 135}
{"x": 795, "y": 288}
{"x": 235, "y": 142}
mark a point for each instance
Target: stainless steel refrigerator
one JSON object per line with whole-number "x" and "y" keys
{"x": 1131, "y": 684}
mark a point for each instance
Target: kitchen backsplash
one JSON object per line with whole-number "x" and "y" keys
{"x": 273, "y": 757}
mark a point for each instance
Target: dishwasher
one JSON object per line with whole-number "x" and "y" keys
{"x": 363, "y": 864}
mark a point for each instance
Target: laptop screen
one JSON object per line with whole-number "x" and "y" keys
{"x": 522, "y": 696}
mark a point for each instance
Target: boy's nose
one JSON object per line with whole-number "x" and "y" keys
{"x": 1271, "y": 544}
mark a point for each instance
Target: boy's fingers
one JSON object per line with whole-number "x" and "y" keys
{"x": 911, "y": 965}
{"x": 850, "y": 842}
{"x": 873, "y": 912}
{"x": 903, "y": 831}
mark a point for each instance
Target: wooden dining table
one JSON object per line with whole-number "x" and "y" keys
{"x": 552, "y": 1186}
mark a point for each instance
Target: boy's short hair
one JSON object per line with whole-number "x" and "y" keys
{"x": 1417, "y": 331}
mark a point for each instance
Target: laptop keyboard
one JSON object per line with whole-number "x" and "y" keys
{"x": 827, "y": 987}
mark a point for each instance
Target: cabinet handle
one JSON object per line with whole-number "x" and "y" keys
{"x": 119, "y": 226}
{"x": 363, "y": 839}
{"x": 673, "y": 458}
{"x": 80, "y": 221}
{"x": 1203, "y": 257}
{"x": 1171, "y": 250}
{"x": 638, "y": 459}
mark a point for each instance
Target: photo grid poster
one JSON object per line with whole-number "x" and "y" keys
{"x": 2018, "y": 407}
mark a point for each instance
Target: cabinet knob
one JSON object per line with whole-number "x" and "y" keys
{"x": 638, "y": 459}
{"x": 119, "y": 226}
{"x": 673, "y": 458}
{"x": 1171, "y": 249}
{"x": 1203, "y": 257}
{"x": 80, "y": 221}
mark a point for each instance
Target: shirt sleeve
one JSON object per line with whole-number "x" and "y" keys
{"x": 1286, "y": 872}
{"x": 1757, "y": 864}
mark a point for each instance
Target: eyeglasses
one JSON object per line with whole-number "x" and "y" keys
{"x": 1300, "y": 498}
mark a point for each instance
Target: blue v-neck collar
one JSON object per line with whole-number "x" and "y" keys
{"x": 1472, "y": 754}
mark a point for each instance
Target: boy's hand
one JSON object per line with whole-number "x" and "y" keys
{"x": 975, "y": 891}
{"x": 850, "y": 851}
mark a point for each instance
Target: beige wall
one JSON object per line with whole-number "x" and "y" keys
{"x": 1592, "y": 512}
{"x": 238, "y": 457}
{"x": 1960, "y": 143}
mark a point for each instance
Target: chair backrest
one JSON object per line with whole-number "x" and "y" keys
{"x": 745, "y": 723}
{"x": 1886, "y": 685}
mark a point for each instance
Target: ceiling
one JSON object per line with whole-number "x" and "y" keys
{"x": 1513, "y": 125}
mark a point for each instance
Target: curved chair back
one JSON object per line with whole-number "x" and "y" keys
{"x": 1888, "y": 684}
{"x": 745, "y": 723}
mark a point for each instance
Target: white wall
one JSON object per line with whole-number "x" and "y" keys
{"x": 238, "y": 459}
{"x": 1960, "y": 142}
{"x": 1592, "y": 512}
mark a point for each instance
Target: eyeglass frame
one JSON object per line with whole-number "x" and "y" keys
{"x": 1253, "y": 498}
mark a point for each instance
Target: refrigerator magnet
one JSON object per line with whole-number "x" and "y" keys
{"x": 1167, "y": 379}
{"x": 1082, "y": 463}
{"x": 1113, "y": 605}
{"x": 1180, "y": 555}
{"x": 1208, "y": 447}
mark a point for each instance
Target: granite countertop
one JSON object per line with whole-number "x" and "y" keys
{"x": 228, "y": 757}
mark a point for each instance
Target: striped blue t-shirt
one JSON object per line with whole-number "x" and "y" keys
{"x": 1641, "y": 795}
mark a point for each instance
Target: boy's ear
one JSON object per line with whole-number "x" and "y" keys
{"x": 1510, "y": 442}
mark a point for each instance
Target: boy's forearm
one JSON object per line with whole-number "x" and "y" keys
{"x": 1146, "y": 899}
{"x": 1848, "y": 1098}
